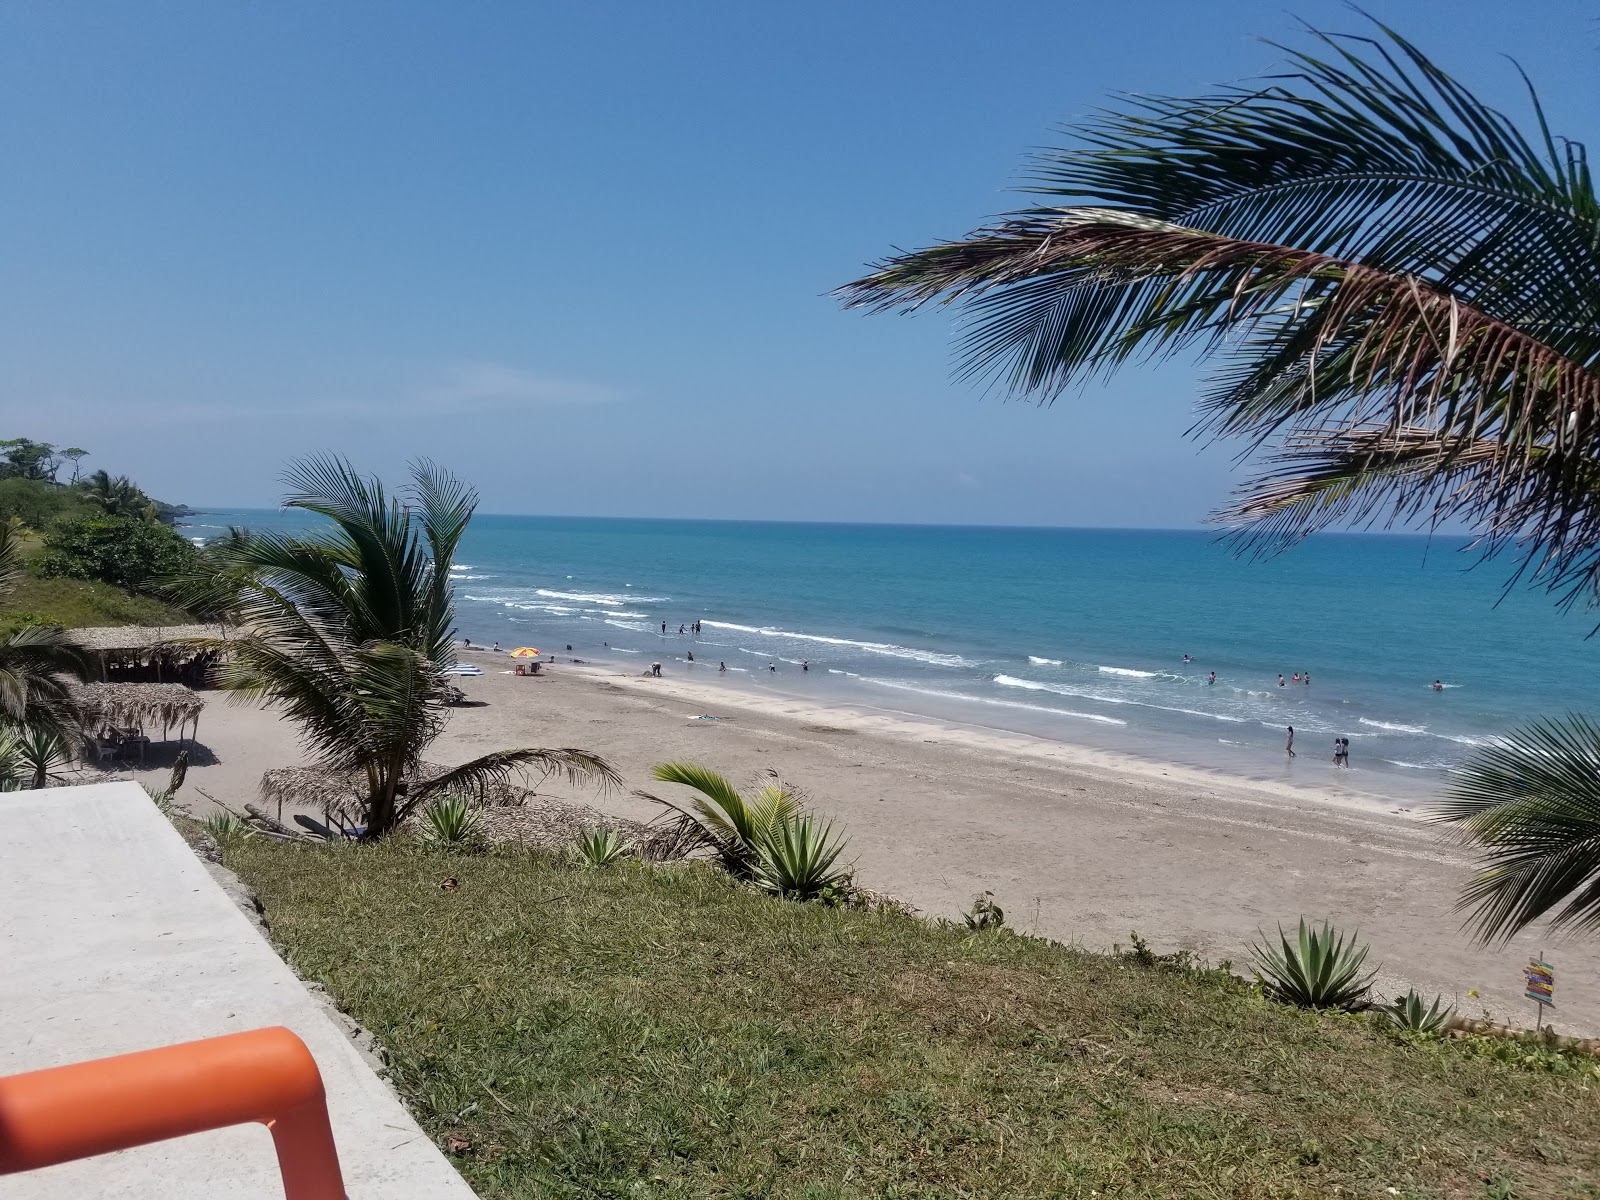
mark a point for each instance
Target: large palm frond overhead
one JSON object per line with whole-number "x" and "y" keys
{"x": 1398, "y": 291}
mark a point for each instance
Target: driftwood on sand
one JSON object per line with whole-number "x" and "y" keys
{"x": 140, "y": 706}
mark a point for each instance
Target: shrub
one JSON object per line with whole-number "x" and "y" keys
{"x": 451, "y": 823}
{"x": 1409, "y": 1015}
{"x": 985, "y": 913}
{"x": 1320, "y": 969}
{"x": 35, "y": 502}
{"x": 797, "y": 858}
{"x": 120, "y": 550}
{"x": 733, "y": 827}
{"x": 226, "y": 827}
{"x": 600, "y": 848}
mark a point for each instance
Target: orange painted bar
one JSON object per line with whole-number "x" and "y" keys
{"x": 266, "y": 1075}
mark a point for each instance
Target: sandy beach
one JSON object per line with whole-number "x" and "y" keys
{"x": 1078, "y": 845}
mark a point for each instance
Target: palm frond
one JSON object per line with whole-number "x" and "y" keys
{"x": 1531, "y": 805}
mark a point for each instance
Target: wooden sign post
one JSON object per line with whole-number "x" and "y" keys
{"x": 1541, "y": 977}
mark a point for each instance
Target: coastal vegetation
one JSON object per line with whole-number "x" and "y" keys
{"x": 95, "y": 549}
{"x": 38, "y": 664}
{"x": 671, "y": 1031}
{"x": 349, "y": 632}
{"x": 1400, "y": 293}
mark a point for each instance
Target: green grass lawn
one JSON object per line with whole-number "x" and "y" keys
{"x": 663, "y": 1032}
{"x": 78, "y": 603}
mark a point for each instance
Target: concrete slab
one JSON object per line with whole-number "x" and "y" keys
{"x": 113, "y": 938}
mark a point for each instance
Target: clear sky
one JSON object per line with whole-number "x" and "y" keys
{"x": 579, "y": 252}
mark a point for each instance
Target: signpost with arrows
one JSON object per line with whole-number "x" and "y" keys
{"x": 1541, "y": 978}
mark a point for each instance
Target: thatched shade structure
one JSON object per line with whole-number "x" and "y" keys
{"x": 341, "y": 793}
{"x": 136, "y": 705}
{"x": 153, "y": 653}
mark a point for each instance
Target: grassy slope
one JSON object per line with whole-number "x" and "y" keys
{"x": 650, "y": 1032}
{"x": 77, "y": 603}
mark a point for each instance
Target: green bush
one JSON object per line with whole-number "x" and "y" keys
{"x": 600, "y": 848}
{"x": 37, "y": 503}
{"x": 1409, "y": 1014}
{"x": 451, "y": 823}
{"x": 125, "y": 551}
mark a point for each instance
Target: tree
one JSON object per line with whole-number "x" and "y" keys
{"x": 75, "y": 455}
{"x": 1399, "y": 291}
{"x": 117, "y": 497}
{"x": 27, "y": 459}
{"x": 38, "y": 663}
{"x": 350, "y": 631}
{"x": 126, "y": 551}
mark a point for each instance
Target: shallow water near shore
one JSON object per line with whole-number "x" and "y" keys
{"x": 1078, "y": 635}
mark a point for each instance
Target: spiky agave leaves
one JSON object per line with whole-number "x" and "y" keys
{"x": 1319, "y": 969}
{"x": 600, "y": 847}
{"x": 1410, "y": 1014}
{"x": 451, "y": 822}
{"x": 1530, "y": 804}
{"x": 798, "y": 859}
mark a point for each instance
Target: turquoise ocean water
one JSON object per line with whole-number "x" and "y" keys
{"x": 1072, "y": 634}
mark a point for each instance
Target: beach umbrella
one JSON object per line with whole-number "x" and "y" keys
{"x": 524, "y": 652}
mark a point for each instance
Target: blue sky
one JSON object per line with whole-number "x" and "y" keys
{"x": 579, "y": 253}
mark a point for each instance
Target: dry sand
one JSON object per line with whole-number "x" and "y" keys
{"x": 1078, "y": 845}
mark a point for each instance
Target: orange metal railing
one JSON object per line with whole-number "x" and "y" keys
{"x": 266, "y": 1075}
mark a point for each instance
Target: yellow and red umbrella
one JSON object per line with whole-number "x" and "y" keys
{"x": 525, "y": 652}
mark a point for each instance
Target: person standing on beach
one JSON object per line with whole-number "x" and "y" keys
{"x": 1289, "y": 745}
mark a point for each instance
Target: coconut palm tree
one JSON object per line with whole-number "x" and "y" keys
{"x": 1397, "y": 290}
{"x": 38, "y": 663}
{"x": 349, "y": 630}
{"x": 116, "y": 496}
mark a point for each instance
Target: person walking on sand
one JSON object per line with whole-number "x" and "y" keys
{"x": 773, "y": 667}
{"x": 1289, "y": 745}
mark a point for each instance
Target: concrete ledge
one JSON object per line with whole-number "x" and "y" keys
{"x": 113, "y": 938}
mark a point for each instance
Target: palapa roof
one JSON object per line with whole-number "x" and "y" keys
{"x": 320, "y": 787}
{"x": 138, "y": 703}
{"x": 123, "y": 639}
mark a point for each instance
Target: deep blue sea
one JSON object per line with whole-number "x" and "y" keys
{"x": 1076, "y": 634}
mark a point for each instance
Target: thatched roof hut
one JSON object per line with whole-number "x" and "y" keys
{"x": 342, "y": 792}
{"x": 136, "y": 705}
{"x": 160, "y": 653}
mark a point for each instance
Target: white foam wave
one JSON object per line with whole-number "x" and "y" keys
{"x": 454, "y": 578}
{"x": 624, "y": 650}
{"x": 1391, "y": 726}
{"x": 886, "y": 649}
{"x": 635, "y": 626}
{"x": 993, "y": 703}
{"x": 1129, "y": 671}
{"x": 611, "y": 599}
{"x": 1043, "y": 662}
{"x": 1061, "y": 689}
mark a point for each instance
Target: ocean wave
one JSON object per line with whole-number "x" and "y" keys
{"x": 623, "y": 650}
{"x": 1392, "y": 726}
{"x": 610, "y": 599}
{"x": 886, "y": 649}
{"x": 1043, "y": 662}
{"x": 1128, "y": 671}
{"x": 454, "y": 578}
{"x": 993, "y": 703}
{"x": 1062, "y": 689}
{"x": 635, "y": 626}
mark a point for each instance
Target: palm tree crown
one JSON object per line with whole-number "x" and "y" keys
{"x": 350, "y": 630}
{"x": 1399, "y": 290}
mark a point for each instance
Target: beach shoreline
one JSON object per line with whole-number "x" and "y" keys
{"x": 1076, "y": 845}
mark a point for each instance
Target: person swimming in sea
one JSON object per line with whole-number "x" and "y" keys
{"x": 1305, "y": 678}
{"x": 1211, "y": 679}
{"x": 1187, "y": 658}
{"x": 1438, "y": 686}
{"x": 1280, "y": 679}
{"x": 691, "y": 656}
{"x": 1297, "y": 677}
{"x": 805, "y": 664}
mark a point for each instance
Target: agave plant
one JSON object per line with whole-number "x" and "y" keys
{"x": 1408, "y": 1014}
{"x": 227, "y": 827}
{"x": 798, "y": 857}
{"x": 733, "y": 827}
{"x": 1320, "y": 969}
{"x": 451, "y": 822}
{"x": 30, "y": 757}
{"x": 600, "y": 847}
